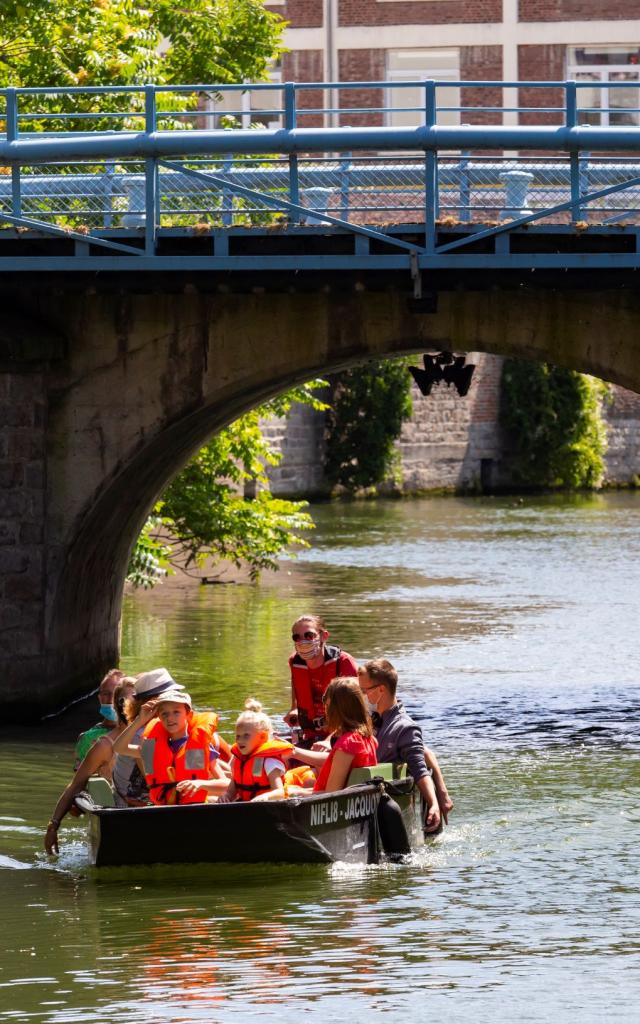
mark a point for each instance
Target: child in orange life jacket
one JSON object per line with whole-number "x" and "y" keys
{"x": 177, "y": 751}
{"x": 258, "y": 762}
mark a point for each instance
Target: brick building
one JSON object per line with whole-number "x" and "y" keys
{"x": 465, "y": 40}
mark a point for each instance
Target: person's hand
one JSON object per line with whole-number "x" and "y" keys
{"x": 51, "y": 839}
{"x": 432, "y": 819}
{"x": 224, "y": 798}
{"x": 291, "y": 717}
{"x": 148, "y": 711}
{"x": 321, "y": 745}
{"x": 189, "y": 787}
{"x": 445, "y": 803}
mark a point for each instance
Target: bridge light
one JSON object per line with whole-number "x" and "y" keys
{"x": 443, "y": 367}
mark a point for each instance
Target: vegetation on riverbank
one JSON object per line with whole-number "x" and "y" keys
{"x": 368, "y": 406}
{"x": 553, "y": 416}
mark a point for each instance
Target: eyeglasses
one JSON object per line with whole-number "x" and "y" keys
{"x": 309, "y": 635}
{"x": 368, "y": 689}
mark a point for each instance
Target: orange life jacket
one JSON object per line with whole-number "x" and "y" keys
{"x": 249, "y": 775}
{"x": 164, "y": 768}
{"x": 303, "y": 775}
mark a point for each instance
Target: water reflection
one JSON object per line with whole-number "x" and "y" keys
{"x": 511, "y": 625}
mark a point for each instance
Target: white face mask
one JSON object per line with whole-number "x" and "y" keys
{"x": 309, "y": 649}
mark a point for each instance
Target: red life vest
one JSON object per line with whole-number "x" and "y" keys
{"x": 248, "y": 771}
{"x": 164, "y": 768}
{"x": 309, "y": 687}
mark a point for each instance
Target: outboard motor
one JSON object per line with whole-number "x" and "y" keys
{"x": 393, "y": 833}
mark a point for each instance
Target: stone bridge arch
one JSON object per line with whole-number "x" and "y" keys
{"x": 123, "y": 386}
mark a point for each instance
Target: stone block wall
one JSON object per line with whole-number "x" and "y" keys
{"x": 300, "y": 438}
{"x": 622, "y": 416}
{"x": 450, "y": 443}
{"x": 22, "y": 505}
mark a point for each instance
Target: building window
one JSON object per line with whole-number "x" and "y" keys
{"x": 611, "y": 102}
{"x": 416, "y": 66}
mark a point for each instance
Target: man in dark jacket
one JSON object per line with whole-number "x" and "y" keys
{"x": 400, "y": 739}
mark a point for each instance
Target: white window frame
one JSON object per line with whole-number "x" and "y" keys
{"x": 603, "y": 72}
{"x": 394, "y": 76}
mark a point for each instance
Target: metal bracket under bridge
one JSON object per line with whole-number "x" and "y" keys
{"x": 116, "y": 182}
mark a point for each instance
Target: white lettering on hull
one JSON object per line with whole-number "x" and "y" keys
{"x": 328, "y": 812}
{"x": 325, "y": 813}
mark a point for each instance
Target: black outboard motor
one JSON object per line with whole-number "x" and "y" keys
{"x": 393, "y": 833}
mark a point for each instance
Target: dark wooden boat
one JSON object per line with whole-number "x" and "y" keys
{"x": 356, "y": 825}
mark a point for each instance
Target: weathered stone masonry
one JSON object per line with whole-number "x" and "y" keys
{"x": 450, "y": 443}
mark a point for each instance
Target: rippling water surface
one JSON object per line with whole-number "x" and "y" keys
{"x": 514, "y": 628}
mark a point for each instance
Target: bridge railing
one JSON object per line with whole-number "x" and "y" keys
{"x": 484, "y": 156}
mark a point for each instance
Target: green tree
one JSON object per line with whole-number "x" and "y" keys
{"x": 204, "y": 514}
{"x": 122, "y": 42}
{"x": 554, "y": 418}
{"x": 62, "y": 43}
{"x": 369, "y": 406}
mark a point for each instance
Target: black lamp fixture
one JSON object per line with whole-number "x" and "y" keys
{"x": 443, "y": 367}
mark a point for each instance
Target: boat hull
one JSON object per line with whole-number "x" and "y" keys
{"x": 317, "y": 829}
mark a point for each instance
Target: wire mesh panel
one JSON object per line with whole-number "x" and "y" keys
{"x": 356, "y": 154}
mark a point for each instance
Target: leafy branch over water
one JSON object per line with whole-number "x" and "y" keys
{"x": 204, "y": 513}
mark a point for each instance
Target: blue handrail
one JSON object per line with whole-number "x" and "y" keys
{"x": 134, "y": 171}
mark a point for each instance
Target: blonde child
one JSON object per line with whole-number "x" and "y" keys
{"x": 258, "y": 762}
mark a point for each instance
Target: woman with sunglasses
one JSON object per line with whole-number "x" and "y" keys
{"x": 314, "y": 664}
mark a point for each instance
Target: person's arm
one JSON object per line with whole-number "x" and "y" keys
{"x": 315, "y": 758}
{"x": 340, "y": 769}
{"x": 100, "y": 753}
{"x": 428, "y": 793}
{"x": 275, "y": 780}
{"x": 444, "y": 800}
{"x": 216, "y": 785}
{"x": 229, "y": 794}
{"x": 123, "y": 743}
{"x": 218, "y": 781}
{"x": 410, "y": 749}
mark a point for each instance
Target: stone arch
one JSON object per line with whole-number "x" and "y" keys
{"x": 147, "y": 378}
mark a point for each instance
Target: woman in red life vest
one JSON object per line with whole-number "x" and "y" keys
{"x": 176, "y": 747}
{"x": 352, "y": 742}
{"x": 313, "y": 665}
{"x": 258, "y": 762}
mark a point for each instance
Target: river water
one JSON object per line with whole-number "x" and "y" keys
{"x": 513, "y": 624}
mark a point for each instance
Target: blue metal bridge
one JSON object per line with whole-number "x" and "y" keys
{"x": 151, "y": 178}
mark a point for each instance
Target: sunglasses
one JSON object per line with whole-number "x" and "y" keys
{"x": 309, "y": 635}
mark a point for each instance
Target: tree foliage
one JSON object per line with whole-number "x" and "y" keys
{"x": 86, "y": 43}
{"x": 369, "y": 406}
{"x": 554, "y": 418}
{"x": 204, "y": 514}
{"x": 123, "y": 42}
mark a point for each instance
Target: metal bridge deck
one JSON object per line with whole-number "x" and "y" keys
{"x": 407, "y": 188}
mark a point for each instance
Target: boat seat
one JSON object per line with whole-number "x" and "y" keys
{"x": 100, "y": 791}
{"x": 387, "y": 771}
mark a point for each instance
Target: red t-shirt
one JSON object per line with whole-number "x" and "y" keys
{"x": 363, "y": 750}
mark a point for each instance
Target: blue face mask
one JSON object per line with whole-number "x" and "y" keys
{"x": 109, "y": 712}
